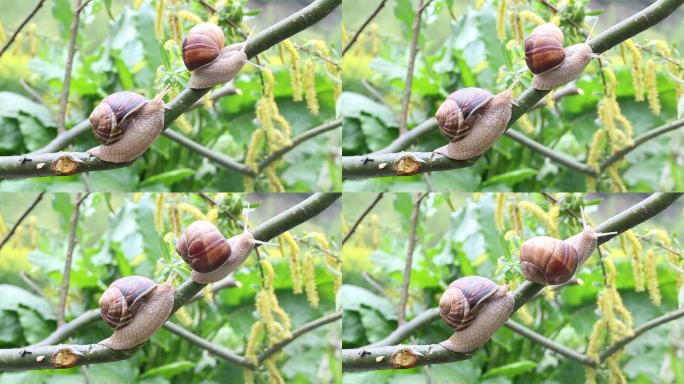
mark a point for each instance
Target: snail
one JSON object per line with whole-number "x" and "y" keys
{"x": 209, "y": 62}
{"x": 475, "y": 307}
{"x": 126, "y": 124}
{"x": 472, "y": 119}
{"x": 210, "y": 255}
{"x": 550, "y": 261}
{"x": 551, "y": 63}
{"x": 135, "y": 307}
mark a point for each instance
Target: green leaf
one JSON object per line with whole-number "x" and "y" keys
{"x": 169, "y": 370}
{"x": 10, "y": 329}
{"x": 11, "y": 136}
{"x": 14, "y": 105}
{"x": 61, "y": 10}
{"x": 510, "y": 178}
{"x": 681, "y": 297}
{"x": 168, "y": 178}
{"x": 680, "y": 107}
{"x": 355, "y": 298}
{"x": 511, "y": 370}
{"x": 16, "y": 297}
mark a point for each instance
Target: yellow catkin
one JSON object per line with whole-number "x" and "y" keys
{"x": 159, "y": 20}
{"x": 174, "y": 27}
{"x": 618, "y": 184}
{"x": 295, "y": 263}
{"x": 184, "y": 124}
{"x": 526, "y": 125}
{"x": 212, "y": 215}
{"x": 652, "y": 87}
{"x": 253, "y": 341}
{"x": 159, "y": 213}
{"x": 516, "y": 26}
{"x": 652, "y": 277}
{"x": 499, "y": 211}
{"x": 137, "y": 4}
{"x": 554, "y": 217}
{"x": 193, "y": 211}
{"x": 309, "y": 274}
{"x": 208, "y": 294}
{"x": 532, "y": 17}
{"x": 637, "y": 265}
{"x": 274, "y": 375}
{"x": 637, "y": 69}
{"x": 295, "y": 70}
{"x": 524, "y": 315}
{"x": 501, "y": 20}
{"x": 615, "y": 375}
{"x": 549, "y": 294}
{"x": 596, "y": 147}
{"x": 310, "y": 87}
{"x": 273, "y": 181}
{"x": 539, "y": 213}
{"x": 479, "y": 4}
{"x": 189, "y": 16}
{"x": 184, "y": 316}
{"x": 374, "y": 38}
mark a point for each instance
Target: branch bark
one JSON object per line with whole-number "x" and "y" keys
{"x": 43, "y": 356}
{"x": 365, "y": 166}
{"x": 363, "y": 26}
{"x": 408, "y": 266}
{"x": 21, "y": 26}
{"x": 66, "y": 83}
{"x": 385, "y": 356}
{"x": 408, "y": 82}
{"x": 24, "y": 165}
{"x": 361, "y": 217}
{"x": 71, "y": 243}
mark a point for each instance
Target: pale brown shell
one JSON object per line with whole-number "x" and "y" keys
{"x": 547, "y": 260}
{"x": 110, "y": 118}
{"x": 122, "y": 299}
{"x": 203, "y": 247}
{"x": 221, "y": 70}
{"x": 457, "y": 113}
{"x": 577, "y": 57}
{"x": 462, "y": 300}
{"x": 240, "y": 247}
{"x": 202, "y": 46}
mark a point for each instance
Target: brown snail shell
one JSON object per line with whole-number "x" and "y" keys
{"x": 203, "y": 247}
{"x": 221, "y": 70}
{"x": 135, "y": 307}
{"x": 548, "y": 261}
{"x": 462, "y": 300}
{"x": 475, "y": 307}
{"x": 110, "y": 117}
{"x": 202, "y": 46}
{"x": 577, "y": 57}
{"x": 544, "y": 48}
{"x": 472, "y": 119}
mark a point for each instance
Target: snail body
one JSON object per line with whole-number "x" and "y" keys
{"x": 475, "y": 307}
{"x": 552, "y": 64}
{"x": 127, "y": 124}
{"x": 550, "y": 261}
{"x": 472, "y": 119}
{"x": 135, "y": 307}
{"x": 209, "y": 62}
{"x": 210, "y": 255}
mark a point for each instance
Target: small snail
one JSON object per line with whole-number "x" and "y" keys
{"x": 135, "y": 307}
{"x": 127, "y": 124}
{"x": 475, "y": 307}
{"x": 552, "y": 64}
{"x": 550, "y": 261}
{"x": 210, "y": 255}
{"x": 209, "y": 62}
{"x": 472, "y": 119}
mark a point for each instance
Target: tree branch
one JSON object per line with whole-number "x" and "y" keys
{"x": 71, "y": 243}
{"x": 363, "y": 26}
{"x": 21, "y": 26}
{"x": 362, "y": 166}
{"x": 16, "y": 166}
{"x": 408, "y": 266}
{"x": 71, "y": 50}
{"x": 360, "y": 219}
{"x": 409, "y": 356}
{"x": 408, "y": 82}
{"x": 212, "y": 348}
{"x": 67, "y": 356}
{"x": 21, "y": 219}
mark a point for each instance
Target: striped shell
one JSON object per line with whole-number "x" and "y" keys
{"x": 122, "y": 299}
{"x": 462, "y": 300}
{"x": 547, "y": 260}
{"x": 544, "y": 48}
{"x": 110, "y": 118}
{"x": 457, "y": 113}
{"x": 203, "y": 247}
{"x": 202, "y": 45}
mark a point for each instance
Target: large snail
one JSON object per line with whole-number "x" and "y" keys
{"x": 550, "y": 261}
{"x": 552, "y": 64}
{"x": 209, "y": 62}
{"x": 127, "y": 124}
{"x": 475, "y": 307}
{"x": 210, "y": 255}
{"x": 472, "y": 119}
{"x": 135, "y": 307}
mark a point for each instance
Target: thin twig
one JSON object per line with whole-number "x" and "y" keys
{"x": 31, "y": 284}
{"x": 21, "y": 26}
{"x": 214, "y": 349}
{"x": 71, "y": 50}
{"x": 550, "y": 344}
{"x": 207, "y": 6}
{"x": 360, "y": 219}
{"x": 71, "y": 243}
{"x": 21, "y": 218}
{"x": 401, "y": 312}
{"x": 408, "y": 82}
{"x": 363, "y": 26}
